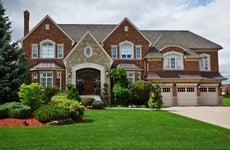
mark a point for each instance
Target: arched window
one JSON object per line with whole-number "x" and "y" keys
{"x": 173, "y": 60}
{"x": 205, "y": 62}
{"x": 126, "y": 50}
{"x": 47, "y": 49}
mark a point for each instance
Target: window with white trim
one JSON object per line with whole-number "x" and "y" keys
{"x": 88, "y": 51}
{"x": 173, "y": 61}
{"x": 126, "y": 51}
{"x": 58, "y": 80}
{"x": 46, "y": 79}
{"x": 34, "y": 51}
{"x": 60, "y": 50}
{"x": 114, "y": 52}
{"x": 131, "y": 78}
{"x": 138, "y": 52}
{"x": 47, "y": 49}
{"x": 205, "y": 62}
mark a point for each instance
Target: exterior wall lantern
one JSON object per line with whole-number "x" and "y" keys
{"x": 69, "y": 73}
{"x": 107, "y": 73}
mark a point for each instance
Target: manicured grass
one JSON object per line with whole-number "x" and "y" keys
{"x": 119, "y": 129}
{"x": 226, "y": 101}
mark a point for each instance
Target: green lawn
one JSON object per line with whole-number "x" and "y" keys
{"x": 226, "y": 101}
{"x": 119, "y": 129}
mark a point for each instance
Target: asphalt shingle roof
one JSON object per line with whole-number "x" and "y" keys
{"x": 159, "y": 38}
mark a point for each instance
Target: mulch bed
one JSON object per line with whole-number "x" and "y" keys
{"x": 31, "y": 122}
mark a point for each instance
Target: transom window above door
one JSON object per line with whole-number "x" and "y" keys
{"x": 126, "y": 50}
{"x": 47, "y": 49}
{"x": 173, "y": 60}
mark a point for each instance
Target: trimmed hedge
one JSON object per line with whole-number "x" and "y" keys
{"x": 87, "y": 101}
{"x": 15, "y": 110}
{"x": 47, "y": 113}
{"x": 75, "y": 108}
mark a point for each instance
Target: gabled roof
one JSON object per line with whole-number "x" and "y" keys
{"x": 181, "y": 38}
{"x": 77, "y": 31}
{"x": 46, "y": 17}
{"x": 126, "y": 19}
{"x": 88, "y": 32}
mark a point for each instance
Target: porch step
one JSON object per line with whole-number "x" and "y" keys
{"x": 96, "y": 97}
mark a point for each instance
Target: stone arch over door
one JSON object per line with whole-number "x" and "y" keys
{"x": 89, "y": 66}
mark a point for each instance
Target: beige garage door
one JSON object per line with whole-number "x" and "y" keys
{"x": 167, "y": 96}
{"x": 186, "y": 96}
{"x": 209, "y": 96}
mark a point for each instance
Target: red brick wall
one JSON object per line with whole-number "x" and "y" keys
{"x": 132, "y": 35}
{"x": 40, "y": 34}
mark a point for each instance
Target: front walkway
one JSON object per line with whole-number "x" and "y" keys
{"x": 217, "y": 115}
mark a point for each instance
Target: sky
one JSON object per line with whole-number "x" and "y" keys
{"x": 207, "y": 18}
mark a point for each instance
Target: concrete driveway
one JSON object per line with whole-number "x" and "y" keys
{"x": 216, "y": 115}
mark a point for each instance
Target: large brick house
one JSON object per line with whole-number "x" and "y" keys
{"x": 185, "y": 64}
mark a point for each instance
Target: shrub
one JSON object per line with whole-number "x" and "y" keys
{"x": 75, "y": 108}
{"x": 121, "y": 94}
{"x": 31, "y": 95}
{"x": 155, "y": 99}
{"x": 47, "y": 113}
{"x": 48, "y": 93}
{"x": 15, "y": 110}
{"x": 73, "y": 94}
{"x": 87, "y": 101}
{"x": 140, "y": 93}
{"x": 98, "y": 104}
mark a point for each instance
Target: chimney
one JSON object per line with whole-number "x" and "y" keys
{"x": 26, "y": 22}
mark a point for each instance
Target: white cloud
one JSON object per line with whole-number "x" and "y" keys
{"x": 208, "y": 18}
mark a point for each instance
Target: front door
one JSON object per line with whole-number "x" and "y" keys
{"x": 88, "y": 81}
{"x": 88, "y": 84}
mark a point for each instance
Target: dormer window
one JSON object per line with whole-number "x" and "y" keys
{"x": 173, "y": 60}
{"x": 47, "y": 49}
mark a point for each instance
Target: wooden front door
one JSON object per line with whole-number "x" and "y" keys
{"x": 88, "y": 84}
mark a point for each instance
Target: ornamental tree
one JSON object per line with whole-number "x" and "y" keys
{"x": 13, "y": 63}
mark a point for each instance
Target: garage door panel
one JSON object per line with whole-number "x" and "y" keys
{"x": 209, "y": 96}
{"x": 186, "y": 96}
{"x": 167, "y": 96}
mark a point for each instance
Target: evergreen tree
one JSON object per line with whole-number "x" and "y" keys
{"x": 13, "y": 63}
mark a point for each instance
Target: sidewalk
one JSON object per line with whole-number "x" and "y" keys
{"x": 216, "y": 115}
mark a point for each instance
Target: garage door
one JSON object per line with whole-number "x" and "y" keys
{"x": 167, "y": 96}
{"x": 209, "y": 96}
{"x": 186, "y": 96}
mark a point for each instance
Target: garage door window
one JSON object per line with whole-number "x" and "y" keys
{"x": 166, "y": 89}
{"x": 203, "y": 90}
{"x": 190, "y": 89}
{"x": 212, "y": 89}
{"x": 181, "y": 89}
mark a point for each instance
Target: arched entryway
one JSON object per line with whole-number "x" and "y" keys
{"x": 88, "y": 81}
{"x": 91, "y": 75}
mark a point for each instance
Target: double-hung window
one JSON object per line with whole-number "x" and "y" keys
{"x": 114, "y": 52}
{"x": 60, "y": 50}
{"x": 204, "y": 63}
{"x": 46, "y": 79}
{"x": 126, "y": 51}
{"x": 173, "y": 61}
{"x": 138, "y": 52}
{"x": 34, "y": 51}
{"x": 47, "y": 49}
